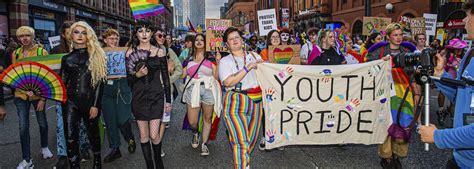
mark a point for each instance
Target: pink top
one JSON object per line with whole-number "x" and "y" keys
{"x": 452, "y": 65}
{"x": 204, "y": 70}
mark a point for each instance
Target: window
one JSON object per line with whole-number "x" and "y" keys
{"x": 44, "y": 25}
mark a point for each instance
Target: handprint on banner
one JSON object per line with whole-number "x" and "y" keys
{"x": 286, "y": 136}
{"x": 293, "y": 104}
{"x": 272, "y": 117}
{"x": 269, "y": 94}
{"x": 339, "y": 99}
{"x": 381, "y": 92}
{"x": 271, "y": 136}
{"x": 327, "y": 75}
{"x": 353, "y": 105}
{"x": 286, "y": 72}
{"x": 331, "y": 122}
{"x": 374, "y": 70}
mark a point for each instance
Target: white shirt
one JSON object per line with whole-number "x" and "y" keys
{"x": 227, "y": 67}
{"x": 305, "y": 50}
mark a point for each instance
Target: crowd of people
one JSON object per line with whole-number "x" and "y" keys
{"x": 224, "y": 83}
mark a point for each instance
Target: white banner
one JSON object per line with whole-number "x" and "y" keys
{"x": 430, "y": 23}
{"x": 320, "y": 105}
{"x": 266, "y": 21}
{"x": 54, "y": 41}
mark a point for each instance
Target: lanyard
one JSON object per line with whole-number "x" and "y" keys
{"x": 236, "y": 64}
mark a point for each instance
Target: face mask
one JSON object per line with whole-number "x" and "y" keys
{"x": 285, "y": 37}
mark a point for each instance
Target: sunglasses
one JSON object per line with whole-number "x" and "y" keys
{"x": 159, "y": 35}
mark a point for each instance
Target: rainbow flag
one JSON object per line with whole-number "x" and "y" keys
{"x": 401, "y": 82}
{"x": 52, "y": 61}
{"x": 146, "y": 8}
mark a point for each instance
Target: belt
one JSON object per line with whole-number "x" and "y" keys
{"x": 240, "y": 91}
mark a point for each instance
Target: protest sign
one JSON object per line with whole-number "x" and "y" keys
{"x": 374, "y": 24}
{"x": 417, "y": 26}
{"x": 54, "y": 41}
{"x": 116, "y": 62}
{"x": 266, "y": 21}
{"x": 320, "y": 105}
{"x": 214, "y": 32}
{"x": 284, "y": 54}
{"x": 430, "y": 23}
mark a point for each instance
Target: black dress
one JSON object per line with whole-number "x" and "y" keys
{"x": 148, "y": 92}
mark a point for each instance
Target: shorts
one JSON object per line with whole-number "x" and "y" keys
{"x": 205, "y": 96}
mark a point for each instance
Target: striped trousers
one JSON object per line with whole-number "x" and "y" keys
{"x": 242, "y": 118}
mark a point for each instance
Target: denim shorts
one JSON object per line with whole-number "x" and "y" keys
{"x": 206, "y": 96}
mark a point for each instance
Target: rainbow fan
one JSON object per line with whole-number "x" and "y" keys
{"x": 35, "y": 77}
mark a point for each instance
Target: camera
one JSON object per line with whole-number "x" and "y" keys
{"x": 421, "y": 60}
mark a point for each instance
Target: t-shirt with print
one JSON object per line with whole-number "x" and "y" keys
{"x": 227, "y": 67}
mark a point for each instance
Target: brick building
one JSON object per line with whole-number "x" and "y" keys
{"x": 351, "y": 12}
{"x": 242, "y": 12}
{"x": 46, "y": 16}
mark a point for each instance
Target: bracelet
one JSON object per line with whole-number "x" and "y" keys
{"x": 246, "y": 70}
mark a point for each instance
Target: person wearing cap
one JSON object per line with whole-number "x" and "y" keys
{"x": 461, "y": 136}
{"x": 23, "y": 99}
{"x": 455, "y": 51}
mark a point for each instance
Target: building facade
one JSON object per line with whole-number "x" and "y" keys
{"x": 351, "y": 12}
{"x": 242, "y": 12}
{"x": 46, "y": 16}
{"x": 197, "y": 12}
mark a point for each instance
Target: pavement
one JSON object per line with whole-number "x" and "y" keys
{"x": 180, "y": 154}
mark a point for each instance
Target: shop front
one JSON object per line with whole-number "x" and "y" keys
{"x": 46, "y": 18}
{"x": 89, "y": 17}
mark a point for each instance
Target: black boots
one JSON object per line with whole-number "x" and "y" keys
{"x": 146, "y": 149}
{"x": 97, "y": 161}
{"x": 157, "y": 154}
{"x": 114, "y": 154}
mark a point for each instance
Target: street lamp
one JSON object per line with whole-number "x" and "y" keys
{"x": 389, "y": 7}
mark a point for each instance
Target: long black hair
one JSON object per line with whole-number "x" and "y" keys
{"x": 138, "y": 25}
{"x": 64, "y": 46}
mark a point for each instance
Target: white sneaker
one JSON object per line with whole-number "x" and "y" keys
{"x": 204, "y": 150}
{"x": 195, "y": 142}
{"x": 25, "y": 165}
{"x": 46, "y": 153}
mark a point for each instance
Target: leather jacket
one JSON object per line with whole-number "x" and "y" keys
{"x": 77, "y": 78}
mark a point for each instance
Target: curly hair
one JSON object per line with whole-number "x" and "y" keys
{"x": 97, "y": 59}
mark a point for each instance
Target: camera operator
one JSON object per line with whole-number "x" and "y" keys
{"x": 461, "y": 137}
{"x": 396, "y": 144}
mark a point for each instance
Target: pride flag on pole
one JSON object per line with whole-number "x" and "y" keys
{"x": 146, "y": 8}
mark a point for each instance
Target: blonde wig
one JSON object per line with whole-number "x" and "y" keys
{"x": 97, "y": 59}
{"x": 25, "y": 30}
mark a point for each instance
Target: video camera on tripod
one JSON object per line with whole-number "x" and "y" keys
{"x": 422, "y": 60}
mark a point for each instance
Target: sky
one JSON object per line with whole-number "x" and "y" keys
{"x": 213, "y": 8}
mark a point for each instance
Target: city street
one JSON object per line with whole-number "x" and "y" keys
{"x": 180, "y": 154}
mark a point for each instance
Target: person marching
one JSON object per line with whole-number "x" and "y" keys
{"x": 83, "y": 71}
{"x": 116, "y": 107}
{"x": 202, "y": 91}
{"x": 150, "y": 85}
{"x": 242, "y": 102}
{"x": 273, "y": 38}
{"x": 23, "y": 100}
